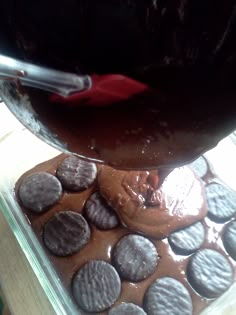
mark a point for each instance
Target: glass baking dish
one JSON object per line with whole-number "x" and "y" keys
{"x": 21, "y": 151}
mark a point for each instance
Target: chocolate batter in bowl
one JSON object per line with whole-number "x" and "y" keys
{"x": 188, "y": 57}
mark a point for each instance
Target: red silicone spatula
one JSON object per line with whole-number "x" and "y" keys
{"x": 105, "y": 90}
{"x": 69, "y": 88}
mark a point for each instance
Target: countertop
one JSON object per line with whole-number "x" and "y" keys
{"x": 21, "y": 288}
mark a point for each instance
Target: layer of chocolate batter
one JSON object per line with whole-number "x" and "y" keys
{"x": 102, "y": 242}
{"x": 179, "y": 202}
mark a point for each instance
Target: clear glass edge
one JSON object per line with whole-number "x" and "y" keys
{"x": 39, "y": 262}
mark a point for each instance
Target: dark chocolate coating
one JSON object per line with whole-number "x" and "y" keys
{"x": 135, "y": 257}
{"x": 126, "y": 309}
{"x": 96, "y": 286}
{"x": 76, "y": 174}
{"x": 188, "y": 240}
{"x": 210, "y": 273}
{"x": 100, "y": 213}
{"x": 221, "y": 202}
{"x": 66, "y": 233}
{"x": 167, "y": 296}
{"x": 229, "y": 239}
{"x": 40, "y": 191}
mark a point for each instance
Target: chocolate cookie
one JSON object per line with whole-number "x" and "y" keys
{"x": 39, "y": 191}
{"x": 100, "y": 213}
{"x": 76, "y": 174}
{"x": 135, "y": 257}
{"x": 96, "y": 286}
{"x": 126, "y": 309}
{"x": 199, "y": 166}
{"x": 66, "y": 233}
{"x": 229, "y": 239}
{"x": 167, "y": 296}
{"x": 188, "y": 240}
{"x": 221, "y": 202}
{"x": 209, "y": 273}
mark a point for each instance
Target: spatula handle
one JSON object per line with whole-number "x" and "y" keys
{"x": 61, "y": 83}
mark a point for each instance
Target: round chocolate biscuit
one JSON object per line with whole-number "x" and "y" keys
{"x": 126, "y": 309}
{"x": 229, "y": 239}
{"x": 135, "y": 257}
{"x": 221, "y": 202}
{"x": 188, "y": 240}
{"x": 209, "y": 273}
{"x": 76, "y": 174}
{"x": 96, "y": 286}
{"x": 199, "y": 166}
{"x": 167, "y": 296}
{"x": 40, "y": 191}
{"x": 66, "y": 233}
{"x": 100, "y": 213}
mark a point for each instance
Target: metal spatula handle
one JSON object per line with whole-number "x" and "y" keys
{"x": 59, "y": 82}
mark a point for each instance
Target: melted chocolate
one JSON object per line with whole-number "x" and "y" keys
{"x": 179, "y": 202}
{"x": 102, "y": 242}
{"x": 188, "y": 56}
{"x": 144, "y": 132}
